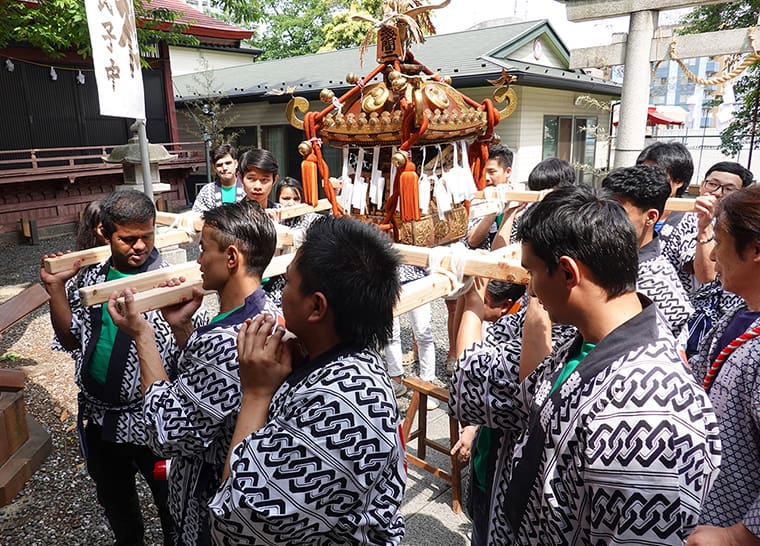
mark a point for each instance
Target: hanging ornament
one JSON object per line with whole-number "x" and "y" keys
{"x": 9, "y": 65}
{"x": 53, "y": 74}
{"x": 80, "y": 77}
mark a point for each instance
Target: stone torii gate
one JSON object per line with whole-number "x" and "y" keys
{"x": 645, "y": 43}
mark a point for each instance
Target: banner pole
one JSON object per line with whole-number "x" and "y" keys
{"x": 144, "y": 159}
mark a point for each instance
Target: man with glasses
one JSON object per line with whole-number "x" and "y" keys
{"x": 721, "y": 179}
{"x": 711, "y": 301}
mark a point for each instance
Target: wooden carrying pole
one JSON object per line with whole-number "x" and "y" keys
{"x": 148, "y": 281}
{"x": 99, "y": 293}
{"x": 413, "y": 294}
{"x": 417, "y": 293}
{"x": 674, "y": 204}
{"x": 164, "y": 239}
{"x": 193, "y": 220}
{"x": 502, "y": 264}
{"x": 95, "y": 255}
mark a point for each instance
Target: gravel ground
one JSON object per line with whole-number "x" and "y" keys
{"x": 58, "y": 505}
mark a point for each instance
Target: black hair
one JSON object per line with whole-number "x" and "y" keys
{"x": 738, "y": 213}
{"x": 551, "y": 173}
{"x": 354, "y": 265}
{"x": 501, "y": 291}
{"x": 645, "y": 186}
{"x": 732, "y": 167}
{"x": 674, "y": 158}
{"x": 288, "y": 182}
{"x": 86, "y": 235}
{"x": 502, "y": 154}
{"x": 222, "y": 150}
{"x": 126, "y": 207}
{"x": 258, "y": 158}
{"x": 248, "y": 227}
{"x": 584, "y": 224}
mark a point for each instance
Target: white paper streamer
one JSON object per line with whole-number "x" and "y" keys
{"x": 374, "y": 197}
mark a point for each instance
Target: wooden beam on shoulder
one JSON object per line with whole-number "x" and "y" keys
{"x": 150, "y": 296}
{"x": 503, "y": 265}
{"x": 97, "y": 254}
{"x": 194, "y": 221}
{"x": 489, "y": 196}
{"x": 186, "y": 220}
{"x": 679, "y": 204}
{"x": 99, "y": 293}
{"x": 299, "y": 210}
{"x": 425, "y": 290}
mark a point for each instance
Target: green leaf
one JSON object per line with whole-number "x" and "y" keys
{"x": 10, "y": 357}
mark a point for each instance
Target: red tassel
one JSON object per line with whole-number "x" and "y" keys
{"x": 409, "y": 189}
{"x": 309, "y": 180}
{"x": 478, "y": 153}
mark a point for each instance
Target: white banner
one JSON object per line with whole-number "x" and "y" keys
{"x": 116, "y": 57}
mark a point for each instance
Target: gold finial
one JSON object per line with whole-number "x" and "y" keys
{"x": 410, "y": 18}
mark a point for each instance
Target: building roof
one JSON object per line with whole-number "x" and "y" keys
{"x": 200, "y": 24}
{"x": 469, "y": 57}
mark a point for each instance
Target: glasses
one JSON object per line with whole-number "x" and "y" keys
{"x": 713, "y": 187}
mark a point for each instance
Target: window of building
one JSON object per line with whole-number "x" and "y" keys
{"x": 572, "y": 139}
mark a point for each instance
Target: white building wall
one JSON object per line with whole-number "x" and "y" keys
{"x": 523, "y": 131}
{"x": 548, "y": 57}
{"x": 189, "y": 60}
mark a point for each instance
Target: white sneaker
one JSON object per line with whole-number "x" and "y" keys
{"x": 432, "y": 403}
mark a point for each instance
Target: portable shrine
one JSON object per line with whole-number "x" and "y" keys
{"x": 414, "y": 148}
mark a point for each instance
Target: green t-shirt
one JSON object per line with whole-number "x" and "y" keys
{"x": 571, "y": 365}
{"x": 101, "y": 355}
{"x": 483, "y": 441}
{"x": 229, "y": 195}
{"x": 220, "y": 316}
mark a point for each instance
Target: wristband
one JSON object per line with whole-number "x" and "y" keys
{"x": 705, "y": 241}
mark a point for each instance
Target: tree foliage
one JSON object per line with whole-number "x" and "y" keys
{"x": 747, "y": 87}
{"x": 212, "y": 117}
{"x": 343, "y": 31}
{"x": 57, "y": 26}
{"x": 299, "y": 27}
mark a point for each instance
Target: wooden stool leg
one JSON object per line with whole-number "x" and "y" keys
{"x": 422, "y": 427}
{"x": 418, "y": 407}
{"x": 406, "y": 428}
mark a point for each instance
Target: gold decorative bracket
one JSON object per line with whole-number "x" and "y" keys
{"x": 300, "y": 104}
{"x": 503, "y": 92}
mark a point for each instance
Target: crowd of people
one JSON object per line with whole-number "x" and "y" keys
{"x": 614, "y": 400}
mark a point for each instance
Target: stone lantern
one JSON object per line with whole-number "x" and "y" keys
{"x": 129, "y": 156}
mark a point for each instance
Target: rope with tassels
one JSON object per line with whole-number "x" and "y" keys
{"x": 313, "y": 165}
{"x": 478, "y": 150}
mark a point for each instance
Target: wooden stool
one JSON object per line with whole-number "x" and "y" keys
{"x": 418, "y": 405}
